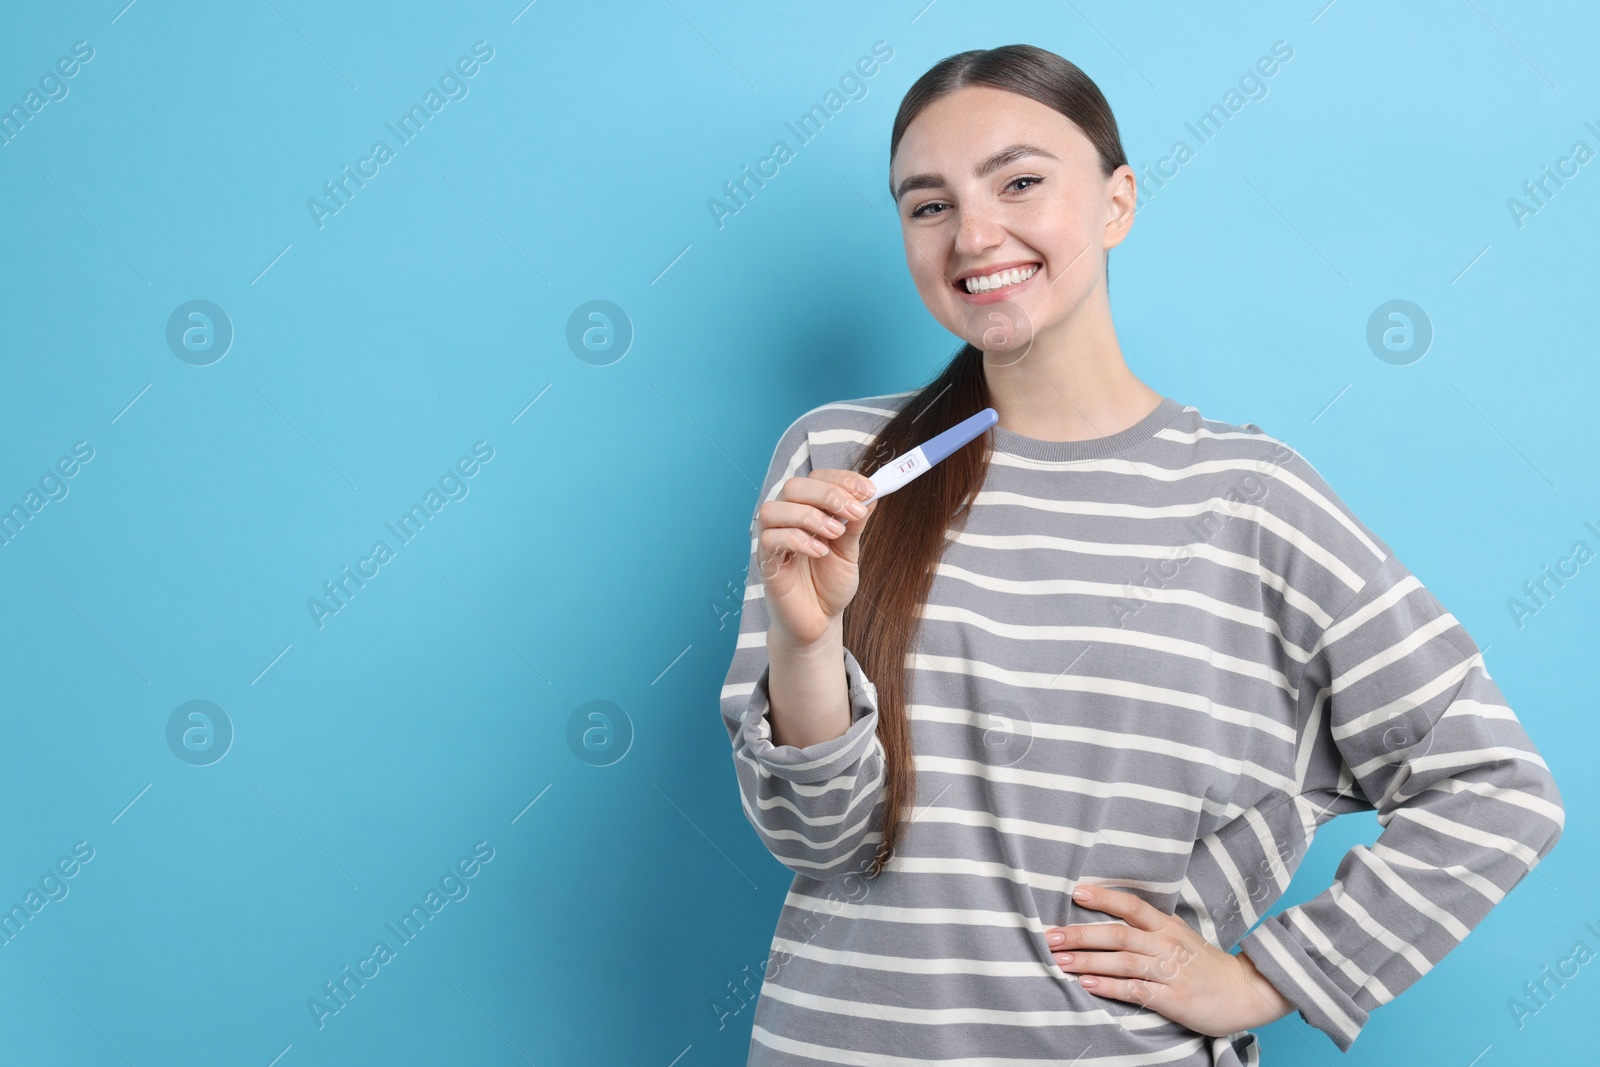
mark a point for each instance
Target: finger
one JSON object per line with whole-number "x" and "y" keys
{"x": 859, "y": 485}
{"x": 1122, "y": 964}
{"x": 848, "y": 544}
{"x": 843, "y": 491}
{"x": 830, "y": 489}
{"x": 1113, "y": 935}
{"x": 1121, "y": 903}
{"x": 823, "y": 502}
{"x": 1133, "y": 990}
{"x": 778, "y": 545}
{"x": 781, "y": 514}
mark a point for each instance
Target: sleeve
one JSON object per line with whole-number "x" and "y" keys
{"x": 816, "y": 808}
{"x": 1408, "y": 722}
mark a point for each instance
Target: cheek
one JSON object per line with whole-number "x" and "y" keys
{"x": 1075, "y": 253}
{"x": 1063, "y": 236}
{"x": 921, "y": 260}
{"x": 1060, "y": 226}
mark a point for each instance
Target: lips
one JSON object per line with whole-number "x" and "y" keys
{"x": 990, "y": 296}
{"x": 960, "y": 280}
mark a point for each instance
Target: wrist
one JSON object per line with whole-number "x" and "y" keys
{"x": 828, "y": 646}
{"x": 1267, "y": 997}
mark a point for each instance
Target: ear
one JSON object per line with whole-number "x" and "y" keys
{"x": 1121, "y": 196}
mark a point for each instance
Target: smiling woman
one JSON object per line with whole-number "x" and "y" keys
{"x": 1056, "y": 818}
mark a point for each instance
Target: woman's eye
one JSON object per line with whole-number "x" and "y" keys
{"x": 925, "y": 209}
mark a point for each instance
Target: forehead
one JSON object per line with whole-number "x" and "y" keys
{"x": 958, "y": 130}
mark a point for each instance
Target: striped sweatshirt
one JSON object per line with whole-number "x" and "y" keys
{"x": 1158, "y": 661}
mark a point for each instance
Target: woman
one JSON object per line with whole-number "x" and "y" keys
{"x": 1111, "y": 647}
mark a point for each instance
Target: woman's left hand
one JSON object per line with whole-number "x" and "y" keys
{"x": 1158, "y": 961}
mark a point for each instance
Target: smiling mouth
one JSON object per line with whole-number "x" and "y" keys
{"x": 989, "y": 283}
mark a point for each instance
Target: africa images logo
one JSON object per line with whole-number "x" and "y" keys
{"x": 453, "y": 885}
{"x": 452, "y": 85}
{"x": 452, "y": 485}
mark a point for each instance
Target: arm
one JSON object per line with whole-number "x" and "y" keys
{"x": 1406, "y": 720}
{"x": 808, "y": 691}
{"x": 813, "y": 804}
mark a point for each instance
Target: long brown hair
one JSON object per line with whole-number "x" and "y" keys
{"x": 902, "y": 545}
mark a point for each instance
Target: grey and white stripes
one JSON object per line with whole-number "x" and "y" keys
{"x": 1158, "y": 661}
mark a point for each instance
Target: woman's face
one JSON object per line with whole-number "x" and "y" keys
{"x": 1043, "y": 206}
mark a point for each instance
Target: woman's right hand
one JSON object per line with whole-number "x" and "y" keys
{"x": 808, "y": 540}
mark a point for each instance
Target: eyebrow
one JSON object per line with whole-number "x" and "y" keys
{"x": 1008, "y": 155}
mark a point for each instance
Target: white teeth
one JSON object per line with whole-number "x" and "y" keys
{"x": 999, "y": 279}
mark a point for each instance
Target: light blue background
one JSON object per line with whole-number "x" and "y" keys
{"x": 590, "y": 556}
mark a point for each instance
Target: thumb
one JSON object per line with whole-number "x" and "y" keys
{"x": 848, "y": 544}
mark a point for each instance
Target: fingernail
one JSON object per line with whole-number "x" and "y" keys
{"x": 854, "y": 510}
{"x": 1081, "y": 893}
{"x": 1088, "y": 979}
{"x": 1056, "y": 939}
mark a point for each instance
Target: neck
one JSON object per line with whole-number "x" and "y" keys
{"x": 1072, "y": 384}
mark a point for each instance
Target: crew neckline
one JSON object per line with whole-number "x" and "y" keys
{"x": 1013, "y": 443}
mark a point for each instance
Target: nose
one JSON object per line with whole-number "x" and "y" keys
{"x": 978, "y": 232}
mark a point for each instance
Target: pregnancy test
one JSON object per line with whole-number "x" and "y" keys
{"x": 902, "y": 469}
